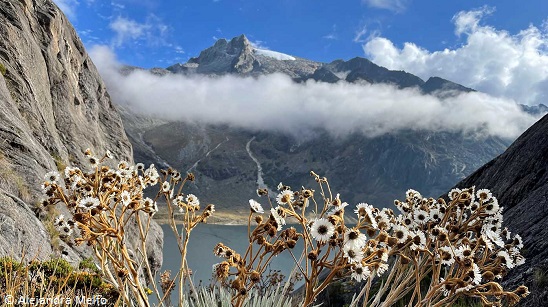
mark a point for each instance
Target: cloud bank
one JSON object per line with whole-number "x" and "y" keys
{"x": 275, "y": 102}
{"x": 490, "y": 60}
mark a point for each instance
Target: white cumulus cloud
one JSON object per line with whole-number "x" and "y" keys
{"x": 275, "y": 102}
{"x": 152, "y": 31}
{"x": 127, "y": 29}
{"x": 494, "y": 61}
{"x": 68, "y": 7}
{"x": 392, "y": 5}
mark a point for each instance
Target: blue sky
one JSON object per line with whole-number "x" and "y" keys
{"x": 151, "y": 33}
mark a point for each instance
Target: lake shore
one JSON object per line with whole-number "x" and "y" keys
{"x": 218, "y": 218}
{"x": 224, "y": 218}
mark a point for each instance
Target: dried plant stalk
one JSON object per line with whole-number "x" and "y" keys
{"x": 459, "y": 245}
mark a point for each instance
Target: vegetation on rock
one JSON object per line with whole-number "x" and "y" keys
{"x": 50, "y": 279}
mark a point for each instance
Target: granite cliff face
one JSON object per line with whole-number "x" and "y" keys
{"x": 519, "y": 179}
{"x": 53, "y": 105}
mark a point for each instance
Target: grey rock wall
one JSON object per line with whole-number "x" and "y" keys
{"x": 519, "y": 179}
{"x": 53, "y": 105}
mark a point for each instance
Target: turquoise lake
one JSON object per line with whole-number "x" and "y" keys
{"x": 200, "y": 250}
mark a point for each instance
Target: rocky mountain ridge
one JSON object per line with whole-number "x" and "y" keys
{"x": 535, "y": 110}
{"x": 239, "y": 56}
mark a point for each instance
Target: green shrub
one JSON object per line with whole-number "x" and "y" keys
{"x": 54, "y": 267}
{"x": 59, "y": 162}
{"x": 8, "y": 264}
{"x": 2, "y": 69}
{"x": 54, "y": 277}
{"x": 221, "y": 297}
{"x": 88, "y": 265}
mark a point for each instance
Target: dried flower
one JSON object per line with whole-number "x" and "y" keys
{"x": 360, "y": 273}
{"x": 52, "y": 177}
{"x": 322, "y": 230}
{"x": 353, "y": 238}
{"x": 275, "y": 214}
{"x": 285, "y": 197}
{"x": 192, "y": 200}
{"x": 88, "y": 203}
{"x": 255, "y": 206}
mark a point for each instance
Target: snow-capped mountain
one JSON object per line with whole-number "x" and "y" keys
{"x": 230, "y": 163}
{"x": 273, "y": 54}
{"x": 239, "y": 56}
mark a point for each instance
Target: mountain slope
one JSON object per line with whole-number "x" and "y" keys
{"x": 519, "y": 179}
{"x": 53, "y": 105}
{"x": 376, "y": 170}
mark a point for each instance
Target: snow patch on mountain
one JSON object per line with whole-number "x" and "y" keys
{"x": 274, "y": 54}
{"x": 342, "y": 74}
{"x": 260, "y": 179}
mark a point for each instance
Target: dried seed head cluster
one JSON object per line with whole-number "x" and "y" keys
{"x": 461, "y": 241}
{"x": 460, "y": 244}
{"x": 104, "y": 200}
{"x": 166, "y": 283}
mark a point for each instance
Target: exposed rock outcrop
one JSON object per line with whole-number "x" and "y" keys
{"x": 53, "y": 105}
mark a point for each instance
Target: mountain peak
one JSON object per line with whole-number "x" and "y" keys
{"x": 220, "y": 42}
{"x": 239, "y": 44}
{"x": 436, "y": 84}
{"x": 242, "y": 39}
{"x": 234, "y": 56}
